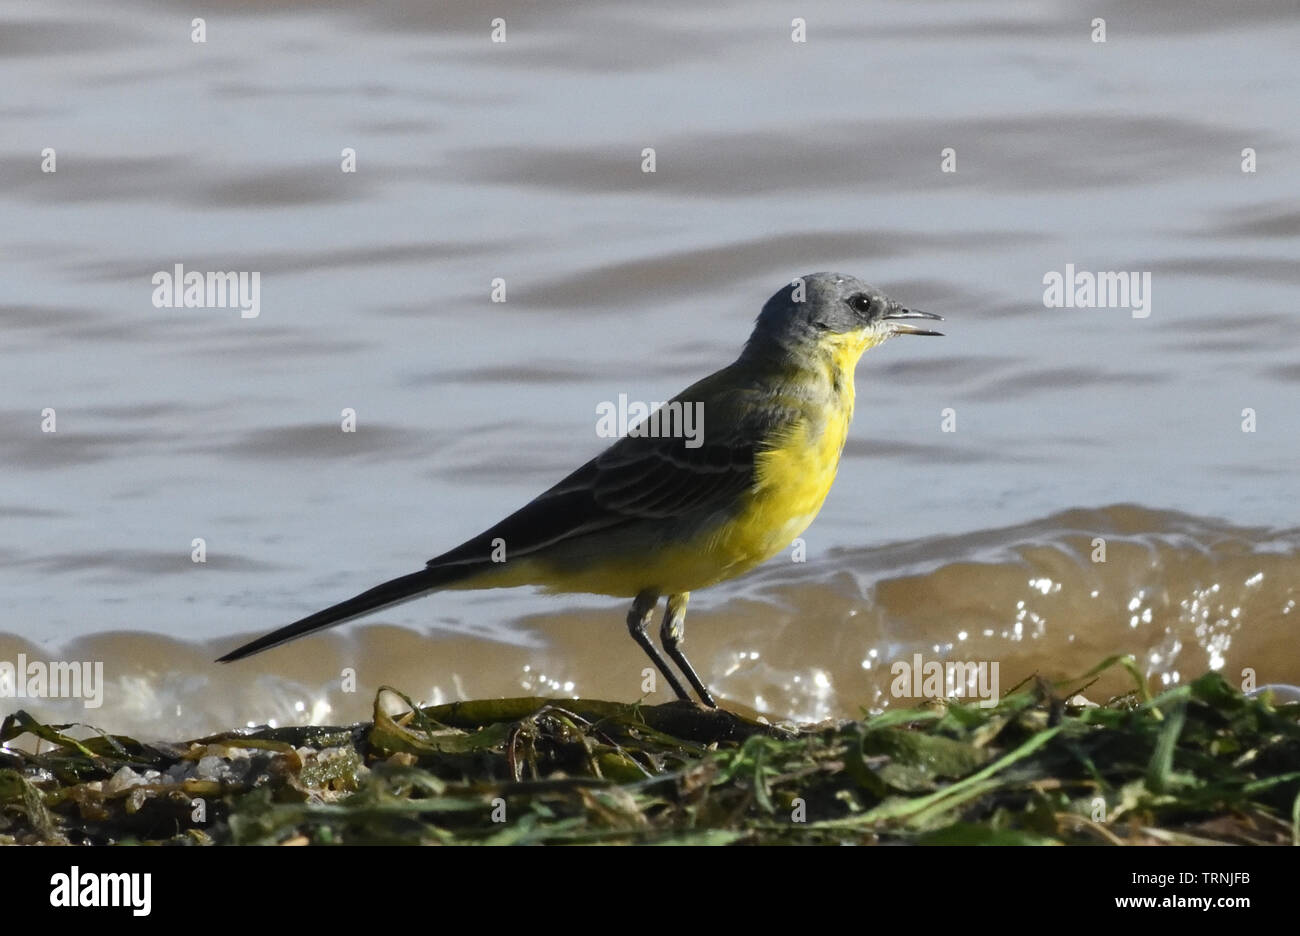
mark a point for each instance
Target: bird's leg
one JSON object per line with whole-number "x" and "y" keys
{"x": 638, "y": 619}
{"x": 673, "y": 635}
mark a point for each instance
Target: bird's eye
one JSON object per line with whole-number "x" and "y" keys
{"x": 861, "y": 303}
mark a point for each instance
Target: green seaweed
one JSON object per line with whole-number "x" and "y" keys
{"x": 1199, "y": 763}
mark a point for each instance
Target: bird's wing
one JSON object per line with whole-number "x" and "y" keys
{"x": 640, "y": 479}
{"x": 635, "y": 480}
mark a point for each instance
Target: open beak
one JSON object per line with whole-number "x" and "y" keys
{"x": 905, "y": 328}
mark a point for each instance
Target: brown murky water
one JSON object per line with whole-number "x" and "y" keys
{"x": 522, "y": 161}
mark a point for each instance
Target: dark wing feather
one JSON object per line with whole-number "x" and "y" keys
{"x": 639, "y": 480}
{"x": 636, "y": 480}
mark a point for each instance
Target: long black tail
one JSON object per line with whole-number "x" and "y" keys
{"x": 392, "y": 592}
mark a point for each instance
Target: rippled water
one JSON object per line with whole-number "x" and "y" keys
{"x": 522, "y": 160}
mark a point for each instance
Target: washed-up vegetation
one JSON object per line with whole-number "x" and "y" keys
{"x": 1197, "y": 764}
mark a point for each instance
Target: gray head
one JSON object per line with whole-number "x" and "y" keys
{"x": 834, "y": 311}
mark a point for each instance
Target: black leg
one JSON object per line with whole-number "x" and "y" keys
{"x": 673, "y": 635}
{"x": 637, "y": 621}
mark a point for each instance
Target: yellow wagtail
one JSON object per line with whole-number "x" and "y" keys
{"x": 653, "y": 515}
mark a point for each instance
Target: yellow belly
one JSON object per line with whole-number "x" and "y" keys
{"x": 793, "y": 479}
{"x": 794, "y": 474}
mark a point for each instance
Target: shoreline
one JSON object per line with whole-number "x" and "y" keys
{"x": 1198, "y": 764}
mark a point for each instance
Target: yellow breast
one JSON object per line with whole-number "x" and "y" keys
{"x": 794, "y": 472}
{"x": 793, "y": 480}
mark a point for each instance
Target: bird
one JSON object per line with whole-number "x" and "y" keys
{"x": 659, "y": 514}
